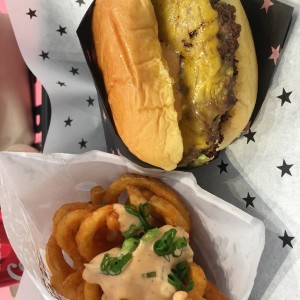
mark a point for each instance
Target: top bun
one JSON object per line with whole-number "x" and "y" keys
{"x": 137, "y": 80}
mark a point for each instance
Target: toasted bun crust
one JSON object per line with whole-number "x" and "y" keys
{"x": 137, "y": 81}
{"x": 139, "y": 86}
{"x": 246, "y": 82}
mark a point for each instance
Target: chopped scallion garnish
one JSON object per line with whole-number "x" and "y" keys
{"x": 168, "y": 245}
{"x": 135, "y": 230}
{"x": 142, "y": 213}
{"x": 149, "y": 275}
{"x": 150, "y": 234}
{"x": 129, "y": 245}
{"x": 180, "y": 279}
{"x": 114, "y": 265}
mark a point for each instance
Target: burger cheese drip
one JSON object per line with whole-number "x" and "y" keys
{"x": 204, "y": 36}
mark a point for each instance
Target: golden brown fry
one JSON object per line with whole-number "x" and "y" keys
{"x": 147, "y": 194}
{"x": 80, "y": 291}
{"x": 57, "y": 283}
{"x": 66, "y": 286}
{"x": 97, "y": 194}
{"x": 66, "y": 208}
{"x": 197, "y": 275}
{"x": 213, "y": 293}
{"x": 92, "y": 291}
{"x": 88, "y": 245}
{"x": 55, "y": 259}
{"x": 71, "y": 284}
{"x": 136, "y": 197}
{"x": 154, "y": 185}
{"x": 65, "y": 234}
{"x": 170, "y": 214}
{"x": 112, "y": 221}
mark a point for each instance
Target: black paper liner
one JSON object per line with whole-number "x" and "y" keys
{"x": 269, "y": 30}
{"x": 41, "y": 112}
{"x": 266, "y": 27}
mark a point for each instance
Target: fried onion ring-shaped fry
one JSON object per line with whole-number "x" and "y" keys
{"x": 135, "y": 195}
{"x": 66, "y": 230}
{"x": 147, "y": 194}
{"x": 92, "y": 291}
{"x": 88, "y": 245}
{"x": 80, "y": 291}
{"x": 156, "y": 186}
{"x": 57, "y": 283}
{"x": 213, "y": 293}
{"x": 55, "y": 259}
{"x": 197, "y": 275}
{"x": 112, "y": 221}
{"x": 71, "y": 284}
{"x": 97, "y": 194}
{"x": 171, "y": 215}
{"x": 66, "y": 208}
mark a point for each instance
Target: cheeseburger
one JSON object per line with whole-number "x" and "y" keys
{"x": 180, "y": 75}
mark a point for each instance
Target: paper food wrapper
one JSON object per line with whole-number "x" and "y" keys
{"x": 226, "y": 241}
{"x": 263, "y": 30}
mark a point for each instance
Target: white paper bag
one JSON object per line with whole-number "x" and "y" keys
{"x": 227, "y": 242}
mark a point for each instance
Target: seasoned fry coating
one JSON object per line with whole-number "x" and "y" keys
{"x": 55, "y": 259}
{"x": 96, "y": 194}
{"x": 66, "y": 231}
{"x": 91, "y": 237}
{"x": 92, "y": 291}
{"x": 200, "y": 282}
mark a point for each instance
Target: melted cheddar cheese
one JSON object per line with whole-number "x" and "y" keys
{"x": 190, "y": 27}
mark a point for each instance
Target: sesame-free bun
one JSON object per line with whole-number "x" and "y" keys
{"x": 137, "y": 81}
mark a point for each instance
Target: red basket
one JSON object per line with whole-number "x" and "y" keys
{"x": 11, "y": 269}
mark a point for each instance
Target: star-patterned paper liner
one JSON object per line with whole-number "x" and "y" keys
{"x": 54, "y": 52}
{"x": 270, "y": 22}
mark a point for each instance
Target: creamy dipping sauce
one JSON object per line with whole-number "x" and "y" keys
{"x": 125, "y": 219}
{"x": 133, "y": 281}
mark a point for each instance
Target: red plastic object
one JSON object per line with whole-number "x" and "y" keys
{"x": 11, "y": 269}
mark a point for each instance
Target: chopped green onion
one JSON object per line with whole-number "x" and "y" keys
{"x": 145, "y": 209}
{"x": 177, "y": 252}
{"x": 131, "y": 209}
{"x": 114, "y": 265}
{"x": 167, "y": 245}
{"x": 150, "y": 234}
{"x": 133, "y": 231}
{"x": 129, "y": 245}
{"x": 181, "y": 242}
{"x": 180, "y": 279}
{"x": 142, "y": 213}
{"x": 149, "y": 275}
